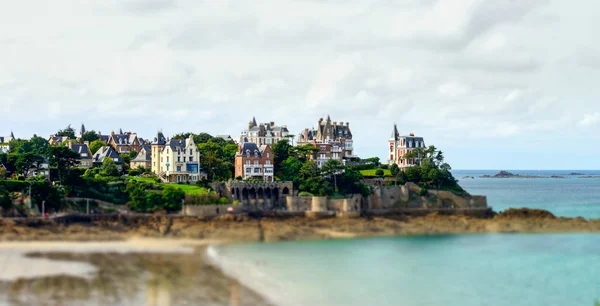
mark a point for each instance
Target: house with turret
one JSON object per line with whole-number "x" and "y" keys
{"x": 124, "y": 142}
{"x": 264, "y": 133}
{"x": 333, "y": 139}
{"x": 254, "y": 162}
{"x": 176, "y": 160}
{"x": 400, "y": 145}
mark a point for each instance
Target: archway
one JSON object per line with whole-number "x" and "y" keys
{"x": 275, "y": 198}
{"x": 260, "y": 197}
{"x": 245, "y": 197}
{"x": 286, "y": 191}
{"x": 268, "y": 198}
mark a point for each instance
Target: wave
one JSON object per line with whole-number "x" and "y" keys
{"x": 253, "y": 275}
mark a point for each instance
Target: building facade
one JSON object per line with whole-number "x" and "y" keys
{"x": 4, "y": 142}
{"x": 399, "y": 146}
{"x": 333, "y": 139}
{"x": 264, "y": 133}
{"x": 124, "y": 142}
{"x": 143, "y": 158}
{"x": 254, "y": 162}
{"x": 104, "y": 153}
{"x": 176, "y": 160}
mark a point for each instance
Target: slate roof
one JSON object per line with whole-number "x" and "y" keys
{"x": 160, "y": 139}
{"x": 395, "y": 133}
{"x": 250, "y": 147}
{"x": 124, "y": 139}
{"x": 81, "y": 148}
{"x": 106, "y": 152}
{"x": 177, "y": 144}
{"x": 144, "y": 155}
{"x": 411, "y": 141}
{"x": 104, "y": 138}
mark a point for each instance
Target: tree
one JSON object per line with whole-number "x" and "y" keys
{"x": 304, "y": 152}
{"x": 331, "y": 169}
{"x": 290, "y": 170}
{"x": 63, "y": 158}
{"x": 109, "y": 168}
{"x": 311, "y": 179}
{"x": 90, "y": 136}
{"x": 394, "y": 169}
{"x": 96, "y": 145}
{"x": 379, "y": 172}
{"x": 68, "y": 132}
{"x": 27, "y": 161}
{"x": 37, "y": 145}
{"x": 280, "y": 152}
{"x": 172, "y": 197}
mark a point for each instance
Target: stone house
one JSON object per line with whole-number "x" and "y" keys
{"x": 254, "y": 162}
{"x": 176, "y": 160}
{"x": 334, "y": 140}
{"x": 399, "y": 146}
{"x": 124, "y": 142}
{"x": 143, "y": 158}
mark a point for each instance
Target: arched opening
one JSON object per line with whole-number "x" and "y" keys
{"x": 260, "y": 197}
{"x": 245, "y": 196}
{"x": 286, "y": 191}
{"x": 275, "y": 198}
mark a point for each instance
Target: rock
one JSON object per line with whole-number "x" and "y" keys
{"x": 575, "y": 173}
{"x": 526, "y": 213}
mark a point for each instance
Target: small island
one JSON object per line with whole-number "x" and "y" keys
{"x": 506, "y": 174}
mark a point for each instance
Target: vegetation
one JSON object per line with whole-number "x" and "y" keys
{"x": 68, "y": 132}
{"x": 295, "y": 164}
{"x": 373, "y": 173}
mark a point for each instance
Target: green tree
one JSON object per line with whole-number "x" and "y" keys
{"x": 280, "y": 155}
{"x": 394, "y": 169}
{"x": 64, "y": 159}
{"x": 311, "y": 179}
{"x": 379, "y": 172}
{"x": 96, "y": 145}
{"x": 304, "y": 152}
{"x": 109, "y": 168}
{"x": 331, "y": 169}
{"x": 37, "y": 145}
{"x": 28, "y": 161}
{"x": 290, "y": 170}
{"x": 68, "y": 132}
{"x": 90, "y": 136}
{"x": 172, "y": 197}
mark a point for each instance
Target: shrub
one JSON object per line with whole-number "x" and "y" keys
{"x": 384, "y": 167}
{"x": 379, "y": 172}
{"x": 305, "y": 194}
{"x": 423, "y": 191}
{"x": 224, "y": 201}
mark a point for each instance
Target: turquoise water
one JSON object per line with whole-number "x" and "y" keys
{"x": 568, "y": 197}
{"x": 461, "y": 270}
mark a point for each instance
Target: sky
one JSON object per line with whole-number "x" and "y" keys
{"x": 494, "y": 84}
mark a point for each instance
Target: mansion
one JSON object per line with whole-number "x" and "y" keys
{"x": 333, "y": 139}
{"x": 264, "y": 133}
{"x": 254, "y": 162}
{"x": 400, "y": 145}
{"x": 175, "y": 160}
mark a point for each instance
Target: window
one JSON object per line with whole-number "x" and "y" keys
{"x": 256, "y": 162}
{"x": 247, "y": 162}
{"x": 184, "y": 159}
{"x": 256, "y": 170}
{"x": 191, "y": 158}
{"x": 268, "y": 155}
{"x": 178, "y": 168}
{"x": 178, "y": 152}
{"x": 268, "y": 162}
{"x": 191, "y": 152}
{"x": 178, "y": 159}
{"x": 167, "y": 159}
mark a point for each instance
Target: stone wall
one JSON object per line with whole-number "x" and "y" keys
{"x": 210, "y": 210}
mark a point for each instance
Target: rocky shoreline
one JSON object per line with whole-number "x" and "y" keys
{"x": 243, "y": 228}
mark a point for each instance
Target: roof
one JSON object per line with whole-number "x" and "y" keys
{"x": 250, "y": 148}
{"x": 160, "y": 139}
{"x": 124, "y": 139}
{"x": 107, "y": 152}
{"x": 81, "y": 148}
{"x": 104, "y": 138}
{"x": 177, "y": 144}
{"x": 144, "y": 155}
{"x": 395, "y": 133}
{"x": 411, "y": 140}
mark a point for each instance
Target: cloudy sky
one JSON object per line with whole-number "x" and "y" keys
{"x": 498, "y": 84}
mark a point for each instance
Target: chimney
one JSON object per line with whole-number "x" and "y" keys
{"x": 112, "y": 133}
{"x": 320, "y": 120}
{"x": 249, "y": 124}
{"x": 347, "y": 123}
{"x": 272, "y": 123}
{"x": 412, "y": 134}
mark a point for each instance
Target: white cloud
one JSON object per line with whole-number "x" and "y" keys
{"x": 475, "y": 69}
{"x": 589, "y": 119}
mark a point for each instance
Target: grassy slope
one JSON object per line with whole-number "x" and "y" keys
{"x": 371, "y": 172}
{"x": 188, "y": 189}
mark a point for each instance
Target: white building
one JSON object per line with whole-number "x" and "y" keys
{"x": 4, "y": 140}
{"x": 264, "y": 133}
{"x": 176, "y": 160}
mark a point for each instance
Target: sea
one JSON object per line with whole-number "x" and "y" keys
{"x": 441, "y": 270}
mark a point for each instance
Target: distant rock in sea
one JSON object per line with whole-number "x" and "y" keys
{"x": 576, "y": 173}
{"x": 506, "y": 174}
{"x": 468, "y": 178}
